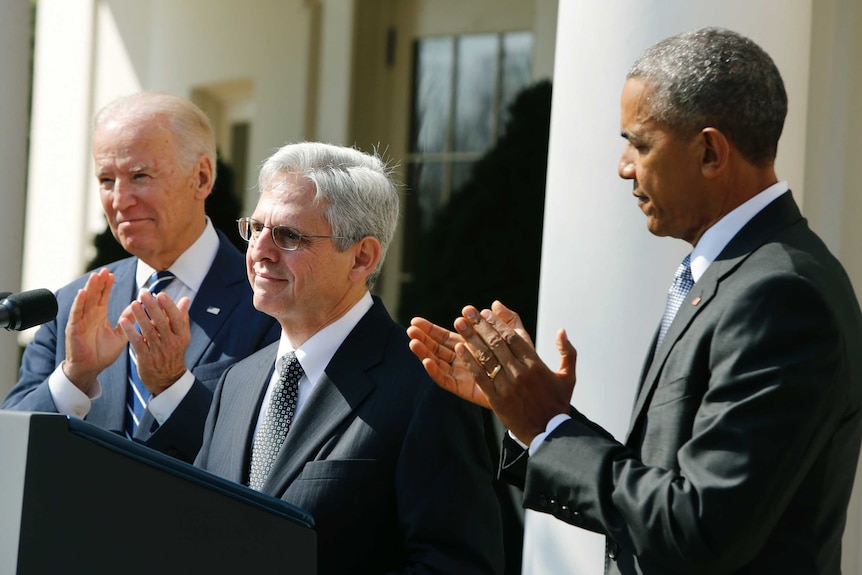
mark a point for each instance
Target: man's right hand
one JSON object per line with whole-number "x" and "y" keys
{"x": 92, "y": 343}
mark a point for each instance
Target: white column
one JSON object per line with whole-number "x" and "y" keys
{"x": 61, "y": 183}
{"x": 334, "y": 73}
{"x": 833, "y": 203}
{"x": 545, "y": 38}
{"x": 604, "y": 277}
{"x": 14, "y": 123}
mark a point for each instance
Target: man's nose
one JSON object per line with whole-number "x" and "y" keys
{"x": 626, "y": 168}
{"x": 121, "y": 195}
{"x": 263, "y": 246}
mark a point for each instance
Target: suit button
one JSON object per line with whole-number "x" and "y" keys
{"x": 613, "y": 550}
{"x": 569, "y": 514}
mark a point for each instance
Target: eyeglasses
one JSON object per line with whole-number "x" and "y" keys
{"x": 285, "y": 237}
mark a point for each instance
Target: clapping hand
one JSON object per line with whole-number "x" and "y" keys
{"x": 492, "y": 362}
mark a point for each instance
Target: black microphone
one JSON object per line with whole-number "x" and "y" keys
{"x": 24, "y": 310}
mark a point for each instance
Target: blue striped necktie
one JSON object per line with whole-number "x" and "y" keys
{"x": 137, "y": 394}
{"x": 682, "y": 284}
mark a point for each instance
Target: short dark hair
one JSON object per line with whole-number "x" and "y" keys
{"x": 719, "y": 78}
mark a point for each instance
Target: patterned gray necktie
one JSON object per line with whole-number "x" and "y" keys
{"x": 682, "y": 284}
{"x": 279, "y": 415}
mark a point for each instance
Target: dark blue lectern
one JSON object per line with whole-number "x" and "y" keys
{"x": 65, "y": 507}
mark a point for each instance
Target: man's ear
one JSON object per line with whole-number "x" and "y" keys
{"x": 203, "y": 178}
{"x": 366, "y": 255}
{"x": 716, "y": 152}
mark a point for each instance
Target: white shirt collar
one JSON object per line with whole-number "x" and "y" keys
{"x": 193, "y": 264}
{"x": 316, "y": 353}
{"x": 719, "y": 235}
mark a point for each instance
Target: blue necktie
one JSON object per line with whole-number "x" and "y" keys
{"x": 682, "y": 284}
{"x": 137, "y": 394}
{"x": 279, "y": 415}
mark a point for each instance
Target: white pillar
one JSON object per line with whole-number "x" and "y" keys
{"x": 335, "y": 71}
{"x": 833, "y": 203}
{"x": 61, "y": 184}
{"x": 593, "y": 228}
{"x": 14, "y": 123}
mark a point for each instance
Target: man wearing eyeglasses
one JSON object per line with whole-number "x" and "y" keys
{"x": 146, "y": 369}
{"x": 339, "y": 417}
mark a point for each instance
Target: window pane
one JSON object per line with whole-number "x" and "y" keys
{"x": 475, "y": 91}
{"x": 517, "y": 53}
{"x": 425, "y": 182}
{"x": 432, "y": 87}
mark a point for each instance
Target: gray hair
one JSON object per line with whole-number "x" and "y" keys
{"x": 357, "y": 192}
{"x": 716, "y": 77}
{"x": 190, "y": 125}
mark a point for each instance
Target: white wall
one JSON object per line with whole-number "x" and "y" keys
{"x": 201, "y": 42}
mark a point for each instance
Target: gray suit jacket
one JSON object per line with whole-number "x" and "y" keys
{"x": 746, "y": 429}
{"x": 217, "y": 341}
{"x": 394, "y": 470}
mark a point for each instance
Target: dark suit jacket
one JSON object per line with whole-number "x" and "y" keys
{"x": 394, "y": 470}
{"x": 217, "y": 341}
{"x": 746, "y": 429}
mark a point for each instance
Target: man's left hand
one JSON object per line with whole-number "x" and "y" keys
{"x": 161, "y": 344}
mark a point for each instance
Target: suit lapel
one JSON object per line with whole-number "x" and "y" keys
{"x": 215, "y": 301}
{"x": 327, "y": 408}
{"x": 776, "y": 216}
{"x": 698, "y": 298}
{"x": 244, "y": 407}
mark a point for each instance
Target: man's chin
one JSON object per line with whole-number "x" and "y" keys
{"x": 264, "y": 302}
{"x": 655, "y": 228}
{"x": 135, "y": 246}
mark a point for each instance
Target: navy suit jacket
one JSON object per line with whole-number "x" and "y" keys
{"x": 394, "y": 470}
{"x": 746, "y": 429}
{"x": 217, "y": 341}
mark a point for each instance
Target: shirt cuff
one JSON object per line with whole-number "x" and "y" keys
{"x": 552, "y": 425}
{"x": 164, "y": 404}
{"x": 68, "y": 399}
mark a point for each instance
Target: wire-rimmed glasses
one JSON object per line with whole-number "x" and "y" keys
{"x": 285, "y": 237}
